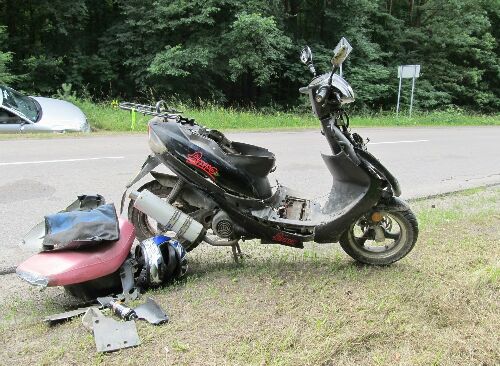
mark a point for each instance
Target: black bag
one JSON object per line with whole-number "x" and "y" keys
{"x": 85, "y": 222}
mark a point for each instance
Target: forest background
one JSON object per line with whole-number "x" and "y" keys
{"x": 245, "y": 53}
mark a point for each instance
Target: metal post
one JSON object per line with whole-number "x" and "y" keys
{"x": 340, "y": 70}
{"x": 399, "y": 95}
{"x": 412, "y": 89}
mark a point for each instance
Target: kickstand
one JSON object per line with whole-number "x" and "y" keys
{"x": 237, "y": 254}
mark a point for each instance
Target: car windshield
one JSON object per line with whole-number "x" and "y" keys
{"x": 18, "y": 103}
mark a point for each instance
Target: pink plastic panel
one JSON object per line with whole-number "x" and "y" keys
{"x": 75, "y": 266}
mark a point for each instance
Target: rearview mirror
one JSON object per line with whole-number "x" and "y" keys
{"x": 306, "y": 56}
{"x": 341, "y": 51}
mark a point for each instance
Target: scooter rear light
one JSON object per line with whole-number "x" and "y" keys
{"x": 155, "y": 143}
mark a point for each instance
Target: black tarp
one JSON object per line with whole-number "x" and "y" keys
{"x": 87, "y": 221}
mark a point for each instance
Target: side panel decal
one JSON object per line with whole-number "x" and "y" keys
{"x": 196, "y": 159}
{"x": 280, "y": 238}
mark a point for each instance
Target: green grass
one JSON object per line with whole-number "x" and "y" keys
{"x": 438, "y": 306}
{"x": 105, "y": 117}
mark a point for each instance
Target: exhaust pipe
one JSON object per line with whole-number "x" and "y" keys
{"x": 167, "y": 215}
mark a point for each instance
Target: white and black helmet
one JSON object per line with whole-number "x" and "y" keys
{"x": 160, "y": 260}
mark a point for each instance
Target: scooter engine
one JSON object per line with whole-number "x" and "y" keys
{"x": 223, "y": 226}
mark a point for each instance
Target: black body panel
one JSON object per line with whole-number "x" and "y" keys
{"x": 241, "y": 215}
{"x": 240, "y": 168}
{"x": 372, "y": 161}
{"x": 353, "y": 193}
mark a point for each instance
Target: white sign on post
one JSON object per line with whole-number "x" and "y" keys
{"x": 407, "y": 72}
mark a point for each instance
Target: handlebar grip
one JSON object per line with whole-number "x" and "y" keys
{"x": 304, "y": 90}
{"x": 321, "y": 94}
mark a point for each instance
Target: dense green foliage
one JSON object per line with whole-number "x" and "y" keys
{"x": 246, "y": 52}
{"x": 5, "y": 60}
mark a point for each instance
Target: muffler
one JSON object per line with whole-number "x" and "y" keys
{"x": 167, "y": 215}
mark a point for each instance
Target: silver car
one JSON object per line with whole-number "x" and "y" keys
{"x": 19, "y": 113}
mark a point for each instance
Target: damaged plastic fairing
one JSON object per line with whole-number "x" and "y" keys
{"x": 341, "y": 89}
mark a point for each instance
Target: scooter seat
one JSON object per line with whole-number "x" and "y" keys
{"x": 68, "y": 267}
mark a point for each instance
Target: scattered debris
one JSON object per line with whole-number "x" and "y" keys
{"x": 124, "y": 312}
{"x": 88, "y": 319}
{"x": 111, "y": 335}
{"x": 100, "y": 270}
{"x": 151, "y": 312}
{"x": 61, "y": 317}
{"x": 130, "y": 291}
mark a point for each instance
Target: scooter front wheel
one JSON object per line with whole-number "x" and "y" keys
{"x": 382, "y": 236}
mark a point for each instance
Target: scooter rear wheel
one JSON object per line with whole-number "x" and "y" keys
{"x": 385, "y": 241}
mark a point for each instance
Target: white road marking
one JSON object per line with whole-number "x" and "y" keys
{"x": 122, "y": 157}
{"x": 397, "y": 142}
{"x": 60, "y": 161}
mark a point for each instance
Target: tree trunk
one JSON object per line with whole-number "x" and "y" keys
{"x": 411, "y": 3}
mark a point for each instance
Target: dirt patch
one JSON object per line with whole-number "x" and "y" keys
{"x": 23, "y": 190}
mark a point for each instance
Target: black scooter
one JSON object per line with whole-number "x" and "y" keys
{"x": 220, "y": 193}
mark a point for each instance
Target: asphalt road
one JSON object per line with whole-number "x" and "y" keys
{"x": 40, "y": 176}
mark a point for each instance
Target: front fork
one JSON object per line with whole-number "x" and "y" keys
{"x": 337, "y": 141}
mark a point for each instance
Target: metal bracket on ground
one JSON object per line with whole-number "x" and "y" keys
{"x": 60, "y": 317}
{"x": 151, "y": 312}
{"x": 130, "y": 292}
{"x": 111, "y": 335}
